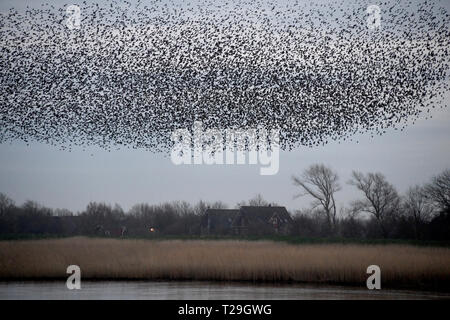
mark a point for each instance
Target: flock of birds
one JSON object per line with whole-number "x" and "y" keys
{"x": 133, "y": 72}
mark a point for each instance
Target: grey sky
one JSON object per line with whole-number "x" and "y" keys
{"x": 70, "y": 180}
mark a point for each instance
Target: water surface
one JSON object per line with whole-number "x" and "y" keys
{"x": 176, "y": 290}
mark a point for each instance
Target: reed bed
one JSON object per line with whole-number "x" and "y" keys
{"x": 401, "y": 265}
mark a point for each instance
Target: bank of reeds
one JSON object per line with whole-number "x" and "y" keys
{"x": 401, "y": 265}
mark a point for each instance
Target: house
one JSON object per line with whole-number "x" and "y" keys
{"x": 218, "y": 221}
{"x": 247, "y": 220}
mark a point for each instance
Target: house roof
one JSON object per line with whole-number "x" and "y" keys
{"x": 250, "y": 213}
{"x": 265, "y": 213}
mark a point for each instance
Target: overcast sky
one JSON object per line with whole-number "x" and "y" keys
{"x": 63, "y": 179}
{"x": 71, "y": 179}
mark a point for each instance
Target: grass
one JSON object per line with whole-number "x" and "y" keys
{"x": 276, "y": 238}
{"x": 402, "y": 266}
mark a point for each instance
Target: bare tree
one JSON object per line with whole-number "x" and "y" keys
{"x": 202, "y": 206}
{"x": 439, "y": 190}
{"x": 256, "y": 201}
{"x": 417, "y": 206}
{"x": 321, "y": 183}
{"x": 381, "y": 198}
{"x": 5, "y": 203}
{"x": 350, "y": 225}
{"x": 62, "y": 212}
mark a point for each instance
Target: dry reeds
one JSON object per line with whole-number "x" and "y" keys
{"x": 401, "y": 265}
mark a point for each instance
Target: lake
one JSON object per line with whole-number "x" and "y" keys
{"x": 176, "y": 290}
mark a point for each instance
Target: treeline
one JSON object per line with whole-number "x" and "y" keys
{"x": 100, "y": 219}
{"x": 422, "y": 213}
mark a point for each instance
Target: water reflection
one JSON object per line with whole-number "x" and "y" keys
{"x": 197, "y": 290}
